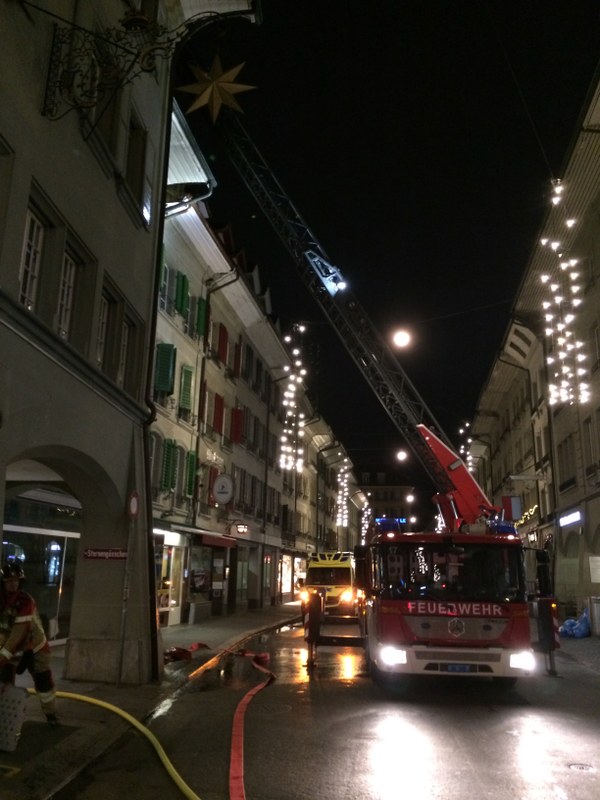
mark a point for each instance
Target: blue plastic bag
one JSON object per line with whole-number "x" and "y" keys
{"x": 576, "y": 628}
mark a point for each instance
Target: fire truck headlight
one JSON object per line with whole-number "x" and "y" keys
{"x": 392, "y": 656}
{"x": 524, "y": 660}
{"x": 304, "y": 595}
{"x": 347, "y": 596}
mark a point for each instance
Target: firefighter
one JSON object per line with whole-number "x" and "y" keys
{"x": 22, "y": 633}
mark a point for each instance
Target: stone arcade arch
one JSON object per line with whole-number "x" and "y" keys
{"x": 105, "y": 632}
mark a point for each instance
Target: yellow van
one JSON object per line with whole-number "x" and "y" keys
{"x": 332, "y": 574}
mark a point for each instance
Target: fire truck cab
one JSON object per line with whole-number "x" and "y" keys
{"x": 444, "y": 604}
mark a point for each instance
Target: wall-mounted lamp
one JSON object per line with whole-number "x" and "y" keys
{"x": 237, "y": 526}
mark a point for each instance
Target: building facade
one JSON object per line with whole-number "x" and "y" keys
{"x": 244, "y": 487}
{"x": 83, "y": 131}
{"x": 536, "y": 433}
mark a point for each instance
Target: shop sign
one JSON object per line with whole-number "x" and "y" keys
{"x": 105, "y": 553}
{"x": 223, "y": 488}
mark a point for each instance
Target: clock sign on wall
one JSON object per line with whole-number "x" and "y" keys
{"x": 222, "y": 488}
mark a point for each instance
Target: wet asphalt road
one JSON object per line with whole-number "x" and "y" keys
{"x": 331, "y": 734}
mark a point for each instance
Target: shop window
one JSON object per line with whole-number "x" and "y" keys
{"x": 52, "y": 563}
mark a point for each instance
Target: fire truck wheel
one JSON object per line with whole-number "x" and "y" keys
{"x": 505, "y": 683}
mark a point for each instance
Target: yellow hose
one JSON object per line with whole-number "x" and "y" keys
{"x": 175, "y": 776}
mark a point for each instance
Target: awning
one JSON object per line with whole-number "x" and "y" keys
{"x": 206, "y": 537}
{"x": 218, "y": 541}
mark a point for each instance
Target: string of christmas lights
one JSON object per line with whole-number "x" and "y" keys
{"x": 566, "y": 356}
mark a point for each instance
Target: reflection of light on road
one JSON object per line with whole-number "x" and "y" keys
{"x": 328, "y": 662}
{"x": 401, "y": 761}
{"x": 536, "y": 754}
{"x": 350, "y": 666}
{"x": 301, "y": 674}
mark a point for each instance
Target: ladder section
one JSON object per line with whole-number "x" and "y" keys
{"x": 370, "y": 352}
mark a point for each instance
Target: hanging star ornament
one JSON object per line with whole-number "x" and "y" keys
{"x": 215, "y": 88}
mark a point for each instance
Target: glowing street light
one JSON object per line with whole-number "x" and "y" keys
{"x": 401, "y": 338}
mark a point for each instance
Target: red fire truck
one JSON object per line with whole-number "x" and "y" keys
{"x": 451, "y": 601}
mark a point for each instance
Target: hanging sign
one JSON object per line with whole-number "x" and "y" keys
{"x": 222, "y": 488}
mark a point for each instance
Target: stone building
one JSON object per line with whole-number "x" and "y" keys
{"x": 83, "y": 130}
{"x": 536, "y": 433}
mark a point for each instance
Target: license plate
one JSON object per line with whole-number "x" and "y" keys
{"x": 459, "y": 667}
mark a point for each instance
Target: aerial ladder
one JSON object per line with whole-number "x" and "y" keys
{"x": 460, "y": 500}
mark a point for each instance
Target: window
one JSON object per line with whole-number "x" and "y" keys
{"x": 155, "y": 461}
{"x": 166, "y": 295}
{"x": 180, "y": 477}
{"x": 566, "y": 463}
{"x": 182, "y": 294}
{"x": 218, "y": 413}
{"x": 164, "y": 370}
{"x": 66, "y": 296}
{"x": 103, "y": 318}
{"x": 223, "y": 344}
{"x": 168, "y": 474}
{"x": 126, "y": 339}
{"x": 185, "y": 393}
{"x": 208, "y": 411}
{"x": 31, "y": 259}
{"x": 201, "y": 316}
{"x": 135, "y": 167}
{"x": 248, "y": 363}
{"x": 191, "y": 468}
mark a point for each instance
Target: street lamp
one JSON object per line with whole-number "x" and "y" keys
{"x": 401, "y": 338}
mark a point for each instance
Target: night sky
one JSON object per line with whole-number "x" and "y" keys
{"x": 418, "y": 139}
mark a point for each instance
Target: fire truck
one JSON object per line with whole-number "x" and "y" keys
{"x": 449, "y": 602}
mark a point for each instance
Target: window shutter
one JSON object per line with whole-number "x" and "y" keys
{"x": 185, "y": 388}
{"x": 218, "y": 413}
{"x": 223, "y": 342}
{"x": 168, "y": 472}
{"x": 164, "y": 373}
{"x": 202, "y": 316}
{"x": 237, "y": 424}
{"x": 190, "y": 473}
{"x": 237, "y": 359}
{"x": 182, "y": 296}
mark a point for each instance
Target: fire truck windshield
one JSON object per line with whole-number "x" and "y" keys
{"x": 492, "y": 572}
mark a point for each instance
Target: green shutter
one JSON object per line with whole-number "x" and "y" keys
{"x": 164, "y": 373}
{"x": 168, "y": 473}
{"x": 182, "y": 294}
{"x": 185, "y": 388}
{"x": 201, "y": 316}
{"x": 190, "y": 473}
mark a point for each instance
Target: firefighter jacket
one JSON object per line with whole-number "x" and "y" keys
{"x": 21, "y": 628}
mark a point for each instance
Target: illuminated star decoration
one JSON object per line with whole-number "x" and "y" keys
{"x": 215, "y": 88}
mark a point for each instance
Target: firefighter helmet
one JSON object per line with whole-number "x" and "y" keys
{"x": 12, "y": 569}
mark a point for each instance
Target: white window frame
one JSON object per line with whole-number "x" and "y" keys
{"x": 31, "y": 259}
{"x": 66, "y": 294}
